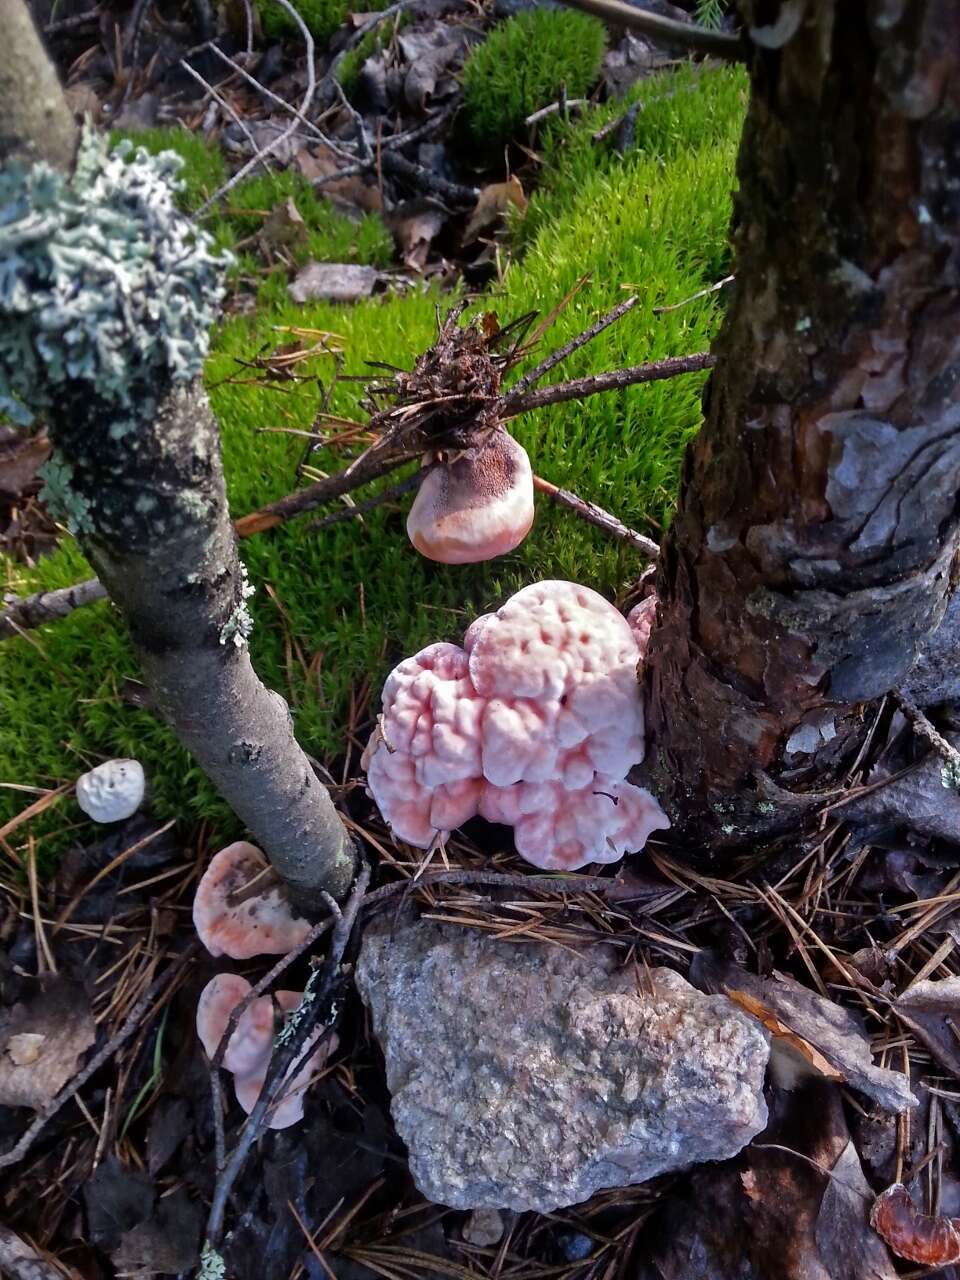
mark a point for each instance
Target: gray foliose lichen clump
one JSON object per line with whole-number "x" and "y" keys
{"x": 103, "y": 283}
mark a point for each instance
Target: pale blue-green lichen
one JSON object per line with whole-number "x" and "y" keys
{"x": 212, "y": 1265}
{"x": 950, "y": 774}
{"x": 63, "y": 501}
{"x": 239, "y": 626}
{"x": 103, "y": 282}
{"x": 300, "y": 1012}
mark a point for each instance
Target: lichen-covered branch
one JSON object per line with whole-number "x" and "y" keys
{"x": 815, "y": 547}
{"x": 107, "y": 294}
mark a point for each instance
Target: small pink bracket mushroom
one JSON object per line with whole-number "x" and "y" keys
{"x": 247, "y": 1056}
{"x": 477, "y": 507}
{"x": 233, "y": 918}
{"x": 536, "y": 722}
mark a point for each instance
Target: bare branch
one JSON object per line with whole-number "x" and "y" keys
{"x": 615, "y": 380}
{"x": 664, "y": 30}
{"x": 314, "y": 1010}
{"x": 595, "y": 515}
{"x": 35, "y": 121}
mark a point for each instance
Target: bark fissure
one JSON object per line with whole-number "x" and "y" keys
{"x": 815, "y": 545}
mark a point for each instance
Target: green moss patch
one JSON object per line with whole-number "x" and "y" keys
{"x": 523, "y": 65}
{"x": 346, "y": 603}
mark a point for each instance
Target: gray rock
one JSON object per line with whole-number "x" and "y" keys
{"x": 524, "y": 1076}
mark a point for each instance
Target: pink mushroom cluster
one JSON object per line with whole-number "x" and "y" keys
{"x": 239, "y": 911}
{"x": 248, "y": 1051}
{"x": 535, "y": 723}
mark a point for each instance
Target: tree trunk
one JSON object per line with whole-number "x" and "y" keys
{"x": 814, "y": 549}
{"x": 138, "y": 469}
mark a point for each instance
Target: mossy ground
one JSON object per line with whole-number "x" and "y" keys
{"x": 334, "y": 610}
{"x": 522, "y": 66}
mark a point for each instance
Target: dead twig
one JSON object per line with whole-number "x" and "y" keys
{"x": 259, "y": 156}
{"x": 69, "y": 24}
{"x": 135, "y": 1017}
{"x": 555, "y": 357}
{"x": 595, "y": 515}
{"x": 554, "y": 108}
{"x": 21, "y": 1262}
{"x": 362, "y": 508}
{"x": 47, "y": 606}
{"x": 701, "y": 293}
{"x": 222, "y": 102}
{"x": 526, "y": 884}
{"x": 615, "y": 380}
{"x": 315, "y": 1009}
{"x": 719, "y": 44}
{"x": 422, "y": 413}
{"x": 264, "y": 985}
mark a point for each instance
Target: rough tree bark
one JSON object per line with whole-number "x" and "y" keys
{"x": 814, "y": 551}
{"x": 149, "y": 485}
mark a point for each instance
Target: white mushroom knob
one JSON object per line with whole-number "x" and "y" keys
{"x": 112, "y": 791}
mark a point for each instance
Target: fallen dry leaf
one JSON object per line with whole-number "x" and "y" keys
{"x": 792, "y": 1058}
{"x": 284, "y": 227}
{"x": 431, "y": 53}
{"x": 335, "y": 281}
{"x": 351, "y": 192}
{"x": 792, "y": 1206}
{"x": 21, "y": 456}
{"x": 931, "y": 1009}
{"x": 932, "y": 1240}
{"x": 831, "y": 1032}
{"x": 492, "y": 204}
{"x": 42, "y": 1040}
{"x": 414, "y": 228}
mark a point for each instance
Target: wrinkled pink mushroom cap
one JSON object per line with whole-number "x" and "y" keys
{"x": 248, "y": 1052}
{"x": 476, "y": 508}
{"x": 261, "y": 925}
{"x": 560, "y": 829}
{"x": 535, "y": 722}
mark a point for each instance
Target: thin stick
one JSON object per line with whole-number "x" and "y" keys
{"x": 265, "y": 983}
{"x": 664, "y": 30}
{"x": 310, "y": 1013}
{"x": 554, "y": 358}
{"x": 67, "y": 24}
{"x": 376, "y": 462}
{"x": 291, "y": 129}
{"x": 47, "y": 606}
{"x": 296, "y": 112}
{"x": 572, "y": 104}
{"x": 370, "y": 504}
{"x": 315, "y": 495}
{"x": 493, "y": 880}
{"x": 615, "y": 380}
{"x": 701, "y": 293}
{"x": 221, "y": 101}
{"x": 21, "y": 1262}
{"x": 595, "y": 515}
{"x": 130, "y": 1026}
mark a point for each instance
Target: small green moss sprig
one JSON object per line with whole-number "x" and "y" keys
{"x": 102, "y": 282}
